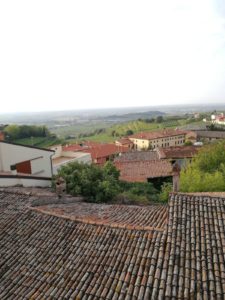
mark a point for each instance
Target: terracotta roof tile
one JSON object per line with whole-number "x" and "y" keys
{"x": 105, "y": 150}
{"x": 49, "y": 257}
{"x": 138, "y": 156}
{"x": 177, "y": 152}
{"x": 124, "y": 141}
{"x": 140, "y": 171}
{"x": 124, "y": 216}
{"x": 157, "y": 134}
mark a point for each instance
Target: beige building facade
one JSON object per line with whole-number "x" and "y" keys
{"x": 162, "y": 139}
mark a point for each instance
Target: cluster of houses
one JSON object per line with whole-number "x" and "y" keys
{"x": 140, "y": 157}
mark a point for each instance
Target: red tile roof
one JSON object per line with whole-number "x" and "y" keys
{"x": 138, "y": 156}
{"x": 74, "y": 147}
{"x": 124, "y": 141}
{"x": 157, "y": 134}
{"x": 105, "y": 150}
{"x": 177, "y": 152}
{"x": 140, "y": 171}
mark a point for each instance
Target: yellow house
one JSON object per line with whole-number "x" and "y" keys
{"x": 161, "y": 138}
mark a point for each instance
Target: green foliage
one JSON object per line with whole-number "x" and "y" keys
{"x": 40, "y": 141}
{"x": 140, "y": 190}
{"x": 166, "y": 189}
{"x": 14, "y": 132}
{"x": 159, "y": 119}
{"x": 94, "y": 183}
{"x": 102, "y": 184}
{"x": 207, "y": 171}
{"x": 128, "y": 197}
{"x": 129, "y": 132}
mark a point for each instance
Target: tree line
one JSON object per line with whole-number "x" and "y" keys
{"x": 14, "y": 132}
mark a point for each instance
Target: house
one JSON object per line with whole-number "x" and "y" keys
{"x": 209, "y": 136}
{"x": 125, "y": 142}
{"x": 64, "y": 155}
{"x": 137, "y": 156}
{"x": 218, "y": 119}
{"x": 25, "y": 165}
{"x": 191, "y": 136}
{"x": 102, "y": 153}
{"x": 181, "y": 155}
{"x": 155, "y": 171}
{"x": 81, "y": 250}
{"x": 160, "y": 138}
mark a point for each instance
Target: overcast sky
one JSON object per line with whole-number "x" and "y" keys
{"x": 90, "y": 54}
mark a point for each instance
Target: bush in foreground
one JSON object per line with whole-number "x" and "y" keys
{"x": 102, "y": 185}
{"x": 94, "y": 183}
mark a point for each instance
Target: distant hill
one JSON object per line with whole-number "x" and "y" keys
{"x": 134, "y": 116}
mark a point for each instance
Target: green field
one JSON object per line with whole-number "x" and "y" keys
{"x": 75, "y": 130}
{"x": 110, "y": 135}
{"x": 136, "y": 126}
{"x": 42, "y": 142}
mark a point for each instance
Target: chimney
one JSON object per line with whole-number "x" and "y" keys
{"x": 176, "y": 177}
{"x": 60, "y": 187}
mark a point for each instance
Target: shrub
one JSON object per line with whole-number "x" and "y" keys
{"x": 94, "y": 183}
{"x": 166, "y": 189}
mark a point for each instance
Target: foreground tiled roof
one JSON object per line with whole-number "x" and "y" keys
{"x": 157, "y": 134}
{"x": 140, "y": 171}
{"x": 48, "y": 257}
{"x": 121, "y": 216}
{"x": 138, "y": 156}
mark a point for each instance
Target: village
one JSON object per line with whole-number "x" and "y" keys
{"x": 55, "y": 245}
{"x": 141, "y": 157}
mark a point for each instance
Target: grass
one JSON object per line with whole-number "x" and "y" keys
{"x": 42, "y": 142}
{"x": 75, "y": 130}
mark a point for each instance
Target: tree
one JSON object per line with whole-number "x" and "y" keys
{"x": 94, "y": 183}
{"x": 207, "y": 170}
{"x": 129, "y": 132}
{"x": 188, "y": 143}
{"x": 166, "y": 189}
{"x": 14, "y": 132}
{"x": 159, "y": 119}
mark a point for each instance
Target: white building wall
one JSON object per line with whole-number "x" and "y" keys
{"x": 58, "y": 151}
{"x": 12, "y": 154}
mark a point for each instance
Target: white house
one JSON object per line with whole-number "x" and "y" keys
{"x": 63, "y": 157}
{"x": 218, "y": 119}
{"x": 25, "y": 165}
